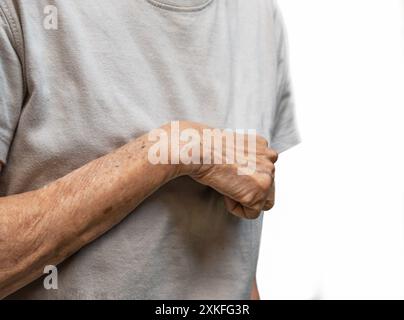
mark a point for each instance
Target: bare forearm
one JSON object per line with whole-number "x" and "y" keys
{"x": 46, "y": 226}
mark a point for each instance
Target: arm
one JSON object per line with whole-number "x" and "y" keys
{"x": 46, "y": 226}
{"x": 57, "y": 220}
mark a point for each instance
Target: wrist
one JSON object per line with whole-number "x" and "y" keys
{"x": 142, "y": 159}
{"x": 185, "y": 146}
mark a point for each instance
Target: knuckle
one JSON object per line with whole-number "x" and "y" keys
{"x": 269, "y": 205}
{"x": 262, "y": 140}
{"x": 273, "y": 155}
{"x": 265, "y": 184}
{"x": 270, "y": 168}
{"x": 253, "y": 214}
{"x": 249, "y": 199}
{"x": 262, "y": 184}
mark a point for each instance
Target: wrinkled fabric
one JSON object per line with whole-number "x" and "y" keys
{"x": 112, "y": 71}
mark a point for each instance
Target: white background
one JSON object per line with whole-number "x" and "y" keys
{"x": 337, "y": 231}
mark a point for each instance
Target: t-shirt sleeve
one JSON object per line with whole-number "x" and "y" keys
{"x": 11, "y": 84}
{"x": 284, "y": 133}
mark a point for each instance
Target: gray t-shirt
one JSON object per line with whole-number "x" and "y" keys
{"x": 104, "y": 72}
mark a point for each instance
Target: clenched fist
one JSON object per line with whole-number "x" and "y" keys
{"x": 245, "y": 195}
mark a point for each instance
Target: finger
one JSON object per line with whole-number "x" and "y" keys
{"x": 233, "y": 207}
{"x": 270, "y": 202}
{"x": 271, "y": 194}
{"x": 272, "y": 155}
{"x": 239, "y": 210}
{"x": 262, "y": 140}
{"x": 268, "y": 205}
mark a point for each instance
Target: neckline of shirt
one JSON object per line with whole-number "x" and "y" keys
{"x": 181, "y": 5}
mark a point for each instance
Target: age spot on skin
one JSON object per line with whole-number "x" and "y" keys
{"x": 108, "y": 210}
